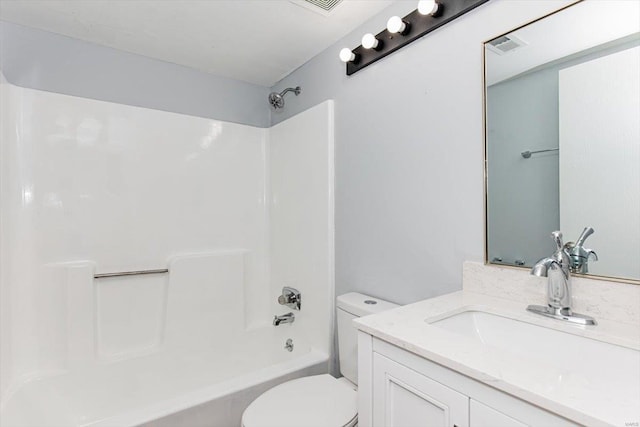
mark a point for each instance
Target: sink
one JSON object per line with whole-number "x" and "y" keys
{"x": 565, "y": 356}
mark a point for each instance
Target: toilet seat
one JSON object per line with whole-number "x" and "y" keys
{"x": 316, "y": 401}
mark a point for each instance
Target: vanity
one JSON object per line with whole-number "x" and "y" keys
{"x": 476, "y": 358}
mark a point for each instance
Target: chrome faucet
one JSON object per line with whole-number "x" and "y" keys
{"x": 557, "y": 269}
{"x": 578, "y": 254}
{"x": 285, "y": 318}
{"x": 290, "y": 297}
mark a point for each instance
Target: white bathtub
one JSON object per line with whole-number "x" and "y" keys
{"x": 207, "y": 389}
{"x": 137, "y": 350}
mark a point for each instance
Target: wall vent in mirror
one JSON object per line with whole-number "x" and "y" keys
{"x": 505, "y": 44}
{"x": 563, "y": 137}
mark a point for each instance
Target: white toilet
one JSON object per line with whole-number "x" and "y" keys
{"x": 320, "y": 400}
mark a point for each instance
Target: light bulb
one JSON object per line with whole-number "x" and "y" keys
{"x": 369, "y": 41}
{"x": 395, "y": 24}
{"x": 428, "y": 7}
{"x": 346, "y": 55}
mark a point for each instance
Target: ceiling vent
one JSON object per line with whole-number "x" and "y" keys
{"x": 323, "y": 7}
{"x": 506, "y": 44}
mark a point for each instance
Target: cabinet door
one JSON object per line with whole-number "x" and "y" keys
{"x": 484, "y": 416}
{"x": 404, "y": 398}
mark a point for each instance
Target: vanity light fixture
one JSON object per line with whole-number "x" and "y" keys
{"x": 396, "y": 25}
{"x": 429, "y": 15}
{"x": 347, "y": 55}
{"x": 429, "y": 7}
{"x": 369, "y": 41}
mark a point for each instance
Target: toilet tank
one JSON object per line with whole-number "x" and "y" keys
{"x": 349, "y": 307}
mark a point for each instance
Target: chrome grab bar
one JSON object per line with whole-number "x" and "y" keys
{"x": 527, "y": 154}
{"x": 130, "y": 273}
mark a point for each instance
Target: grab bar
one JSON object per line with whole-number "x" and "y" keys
{"x": 499, "y": 261}
{"x": 527, "y": 154}
{"x": 130, "y": 273}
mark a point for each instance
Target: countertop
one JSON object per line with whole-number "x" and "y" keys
{"x": 408, "y": 327}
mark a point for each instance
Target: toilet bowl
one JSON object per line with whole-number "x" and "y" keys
{"x": 316, "y": 401}
{"x": 320, "y": 400}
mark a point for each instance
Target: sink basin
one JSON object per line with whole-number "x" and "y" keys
{"x": 565, "y": 357}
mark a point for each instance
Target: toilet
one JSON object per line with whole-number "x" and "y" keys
{"x": 320, "y": 400}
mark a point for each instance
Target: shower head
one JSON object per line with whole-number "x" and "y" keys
{"x": 277, "y": 99}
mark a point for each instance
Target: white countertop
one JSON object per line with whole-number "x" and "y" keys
{"x": 406, "y": 327}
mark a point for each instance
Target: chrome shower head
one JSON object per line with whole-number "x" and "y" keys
{"x": 277, "y": 99}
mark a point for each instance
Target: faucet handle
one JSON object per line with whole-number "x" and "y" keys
{"x": 290, "y": 297}
{"x": 557, "y": 237}
{"x": 588, "y": 231}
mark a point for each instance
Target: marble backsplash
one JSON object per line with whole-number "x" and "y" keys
{"x": 601, "y": 299}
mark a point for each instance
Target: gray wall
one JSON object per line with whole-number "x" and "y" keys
{"x": 523, "y": 202}
{"x": 409, "y": 152}
{"x": 41, "y": 60}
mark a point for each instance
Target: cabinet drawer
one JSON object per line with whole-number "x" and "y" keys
{"x": 483, "y": 416}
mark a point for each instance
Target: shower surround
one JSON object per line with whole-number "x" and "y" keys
{"x": 234, "y": 213}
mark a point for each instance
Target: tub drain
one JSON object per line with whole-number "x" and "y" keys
{"x": 289, "y": 345}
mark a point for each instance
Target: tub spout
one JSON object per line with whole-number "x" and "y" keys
{"x": 285, "y": 318}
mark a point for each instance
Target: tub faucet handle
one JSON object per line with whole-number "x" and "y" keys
{"x": 290, "y": 297}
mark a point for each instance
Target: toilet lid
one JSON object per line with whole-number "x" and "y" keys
{"x": 317, "y": 401}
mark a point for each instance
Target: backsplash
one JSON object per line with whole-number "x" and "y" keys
{"x": 601, "y": 299}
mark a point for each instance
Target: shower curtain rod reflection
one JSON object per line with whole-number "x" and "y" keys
{"x": 527, "y": 154}
{"x": 130, "y": 273}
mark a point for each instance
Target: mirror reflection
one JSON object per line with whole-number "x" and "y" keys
{"x": 563, "y": 139}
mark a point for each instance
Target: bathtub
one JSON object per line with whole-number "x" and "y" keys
{"x": 161, "y": 350}
{"x": 169, "y": 350}
{"x": 203, "y": 389}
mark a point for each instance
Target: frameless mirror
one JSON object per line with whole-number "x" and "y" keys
{"x": 563, "y": 137}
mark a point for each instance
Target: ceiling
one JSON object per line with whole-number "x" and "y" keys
{"x": 576, "y": 29}
{"x": 257, "y": 41}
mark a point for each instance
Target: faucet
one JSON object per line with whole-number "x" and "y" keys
{"x": 580, "y": 255}
{"x": 290, "y": 297}
{"x": 557, "y": 268}
{"x": 285, "y": 318}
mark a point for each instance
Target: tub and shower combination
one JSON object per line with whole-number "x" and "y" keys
{"x": 224, "y": 215}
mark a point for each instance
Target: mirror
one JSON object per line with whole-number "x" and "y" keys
{"x": 562, "y": 132}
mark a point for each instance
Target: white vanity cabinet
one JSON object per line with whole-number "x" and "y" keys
{"x": 403, "y": 396}
{"x": 400, "y": 389}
